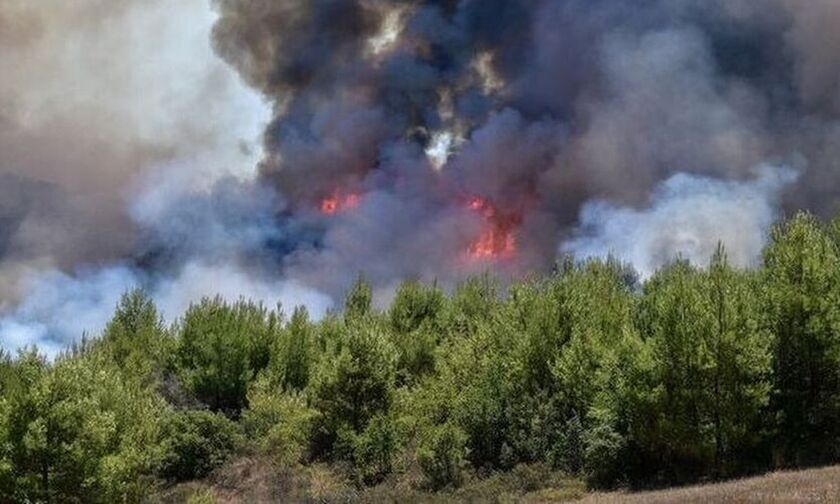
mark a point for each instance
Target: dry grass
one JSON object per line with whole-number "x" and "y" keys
{"x": 815, "y": 485}
{"x": 258, "y": 480}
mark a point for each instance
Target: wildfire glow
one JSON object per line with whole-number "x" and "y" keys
{"x": 338, "y": 203}
{"x": 498, "y": 241}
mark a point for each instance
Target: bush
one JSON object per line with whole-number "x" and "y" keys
{"x": 293, "y": 353}
{"x": 359, "y": 301}
{"x": 76, "y": 431}
{"x": 415, "y": 306}
{"x": 135, "y": 337}
{"x": 569, "y": 454}
{"x": 354, "y": 384}
{"x": 605, "y": 449}
{"x": 374, "y": 450}
{"x": 221, "y": 348}
{"x": 414, "y": 320}
{"x": 195, "y": 443}
{"x": 279, "y": 422}
{"x": 442, "y": 455}
{"x": 203, "y": 496}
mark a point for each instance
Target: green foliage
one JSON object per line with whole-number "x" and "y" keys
{"x": 293, "y": 355}
{"x": 569, "y": 452}
{"x": 473, "y": 302}
{"x": 587, "y": 373}
{"x": 221, "y": 348}
{"x": 359, "y": 301}
{"x": 415, "y": 306}
{"x": 802, "y": 286}
{"x": 415, "y": 320}
{"x": 605, "y": 451}
{"x": 204, "y": 496}
{"x": 709, "y": 372}
{"x": 374, "y": 450}
{"x": 479, "y": 387}
{"x": 442, "y": 455}
{"x": 279, "y": 422}
{"x": 77, "y": 432}
{"x": 195, "y": 443}
{"x": 136, "y": 338}
{"x": 353, "y": 383}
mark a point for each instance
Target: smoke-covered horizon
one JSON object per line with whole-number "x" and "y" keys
{"x": 278, "y": 149}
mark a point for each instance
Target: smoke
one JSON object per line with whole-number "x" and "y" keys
{"x": 401, "y": 139}
{"x": 96, "y": 97}
{"x": 199, "y": 280}
{"x": 58, "y": 308}
{"x": 687, "y": 217}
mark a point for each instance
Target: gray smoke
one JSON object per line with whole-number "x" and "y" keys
{"x": 425, "y": 139}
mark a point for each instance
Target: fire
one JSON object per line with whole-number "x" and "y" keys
{"x": 338, "y": 203}
{"x": 481, "y": 206}
{"x": 498, "y": 241}
{"x": 493, "y": 244}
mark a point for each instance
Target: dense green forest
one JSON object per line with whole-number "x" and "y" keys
{"x": 696, "y": 373}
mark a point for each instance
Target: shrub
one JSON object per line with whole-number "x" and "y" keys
{"x": 604, "y": 451}
{"x": 569, "y": 452}
{"x": 374, "y": 450}
{"x": 195, "y": 443}
{"x": 279, "y": 422}
{"x": 202, "y": 496}
{"x": 221, "y": 348}
{"x": 354, "y": 384}
{"x": 442, "y": 455}
{"x": 293, "y": 353}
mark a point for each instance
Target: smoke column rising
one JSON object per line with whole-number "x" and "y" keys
{"x": 400, "y": 139}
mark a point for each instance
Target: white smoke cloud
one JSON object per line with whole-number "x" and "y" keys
{"x": 198, "y": 280}
{"x": 59, "y": 309}
{"x": 688, "y": 216}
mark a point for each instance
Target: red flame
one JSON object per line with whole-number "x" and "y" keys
{"x": 338, "y": 203}
{"x": 482, "y": 206}
{"x": 498, "y": 241}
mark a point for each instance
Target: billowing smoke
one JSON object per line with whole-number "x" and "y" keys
{"x": 423, "y": 139}
{"x": 688, "y": 216}
{"x": 59, "y": 309}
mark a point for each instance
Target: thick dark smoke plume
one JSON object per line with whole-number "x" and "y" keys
{"x": 406, "y": 139}
{"x": 539, "y": 107}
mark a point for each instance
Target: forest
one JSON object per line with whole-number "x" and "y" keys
{"x": 694, "y": 374}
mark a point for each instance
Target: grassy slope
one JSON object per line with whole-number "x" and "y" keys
{"x": 814, "y": 485}
{"x": 255, "y": 480}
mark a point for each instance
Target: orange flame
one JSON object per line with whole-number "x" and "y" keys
{"x": 338, "y": 203}
{"x": 498, "y": 241}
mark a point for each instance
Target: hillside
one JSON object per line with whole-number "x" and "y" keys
{"x": 257, "y": 480}
{"x": 253, "y": 480}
